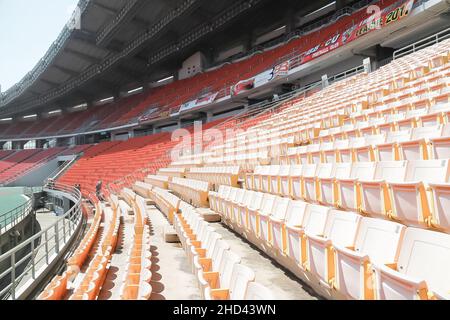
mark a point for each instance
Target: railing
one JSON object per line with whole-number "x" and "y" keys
{"x": 61, "y": 169}
{"x": 11, "y": 218}
{"x": 423, "y": 43}
{"x": 42, "y": 248}
{"x": 346, "y": 74}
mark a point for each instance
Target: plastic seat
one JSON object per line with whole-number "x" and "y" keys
{"x": 417, "y": 147}
{"x": 389, "y": 151}
{"x": 239, "y": 213}
{"x": 347, "y": 191}
{"x": 221, "y": 277}
{"x": 296, "y": 181}
{"x": 206, "y": 266}
{"x": 376, "y": 243}
{"x": 309, "y": 173}
{"x": 267, "y": 204}
{"x": 421, "y": 270}
{"x": 375, "y": 200}
{"x": 257, "y": 292}
{"x": 366, "y": 153}
{"x": 313, "y": 221}
{"x": 284, "y": 181}
{"x": 264, "y": 179}
{"x": 232, "y": 211}
{"x": 340, "y": 230}
{"x": 410, "y": 202}
{"x": 241, "y": 277}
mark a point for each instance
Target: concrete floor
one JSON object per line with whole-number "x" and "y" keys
{"x": 172, "y": 279}
{"x": 175, "y": 280}
{"x": 284, "y": 285}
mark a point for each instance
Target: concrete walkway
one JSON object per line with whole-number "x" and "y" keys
{"x": 172, "y": 279}
{"x": 284, "y": 285}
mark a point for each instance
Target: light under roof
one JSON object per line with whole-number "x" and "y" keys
{"x": 165, "y": 79}
{"x": 320, "y": 9}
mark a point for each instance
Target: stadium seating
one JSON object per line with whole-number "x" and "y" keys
{"x": 22, "y": 162}
{"x": 350, "y": 191}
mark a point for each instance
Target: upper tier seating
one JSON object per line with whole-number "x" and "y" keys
{"x": 24, "y": 161}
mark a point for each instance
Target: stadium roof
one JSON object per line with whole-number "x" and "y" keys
{"x": 122, "y": 44}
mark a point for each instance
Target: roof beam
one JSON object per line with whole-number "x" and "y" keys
{"x": 105, "y": 8}
{"x": 51, "y": 83}
{"x": 83, "y": 56}
{"x": 65, "y": 70}
{"x": 126, "y": 14}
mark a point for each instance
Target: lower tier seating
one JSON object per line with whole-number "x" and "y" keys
{"x": 346, "y": 254}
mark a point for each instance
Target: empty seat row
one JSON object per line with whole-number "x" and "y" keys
{"x": 413, "y": 192}
{"x": 349, "y": 255}
{"x": 192, "y": 191}
{"x": 143, "y": 189}
{"x": 218, "y": 270}
{"x": 167, "y": 202}
{"x": 95, "y": 275}
{"x": 216, "y": 175}
{"x": 412, "y": 144}
{"x": 158, "y": 181}
{"x": 136, "y": 281}
{"x": 172, "y": 172}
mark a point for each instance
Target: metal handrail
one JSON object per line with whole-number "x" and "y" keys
{"x": 11, "y": 218}
{"x": 48, "y": 243}
{"x": 423, "y": 43}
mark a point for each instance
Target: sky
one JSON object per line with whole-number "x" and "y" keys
{"x": 27, "y": 29}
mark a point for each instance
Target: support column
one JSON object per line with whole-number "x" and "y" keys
{"x": 209, "y": 116}
{"x": 325, "y": 82}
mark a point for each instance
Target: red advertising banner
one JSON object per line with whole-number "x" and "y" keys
{"x": 242, "y": 86}
{"x": 281, "y": 70}
{"x": 378, "y": 20}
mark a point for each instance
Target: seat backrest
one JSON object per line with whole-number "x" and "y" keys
{"x": 357, "y": 142}
{"x": 232, "y": 194}
{"x": 268, "y": 203}
{"x": 341, "y": 227}
{"x": 280, "y": 208}
{"x": 256, "y": 291}
{"x": 211, "y": 241}
{"x": 390, "y": 170}
{"x": 341, "y": 144}
{"x": 295, "y": 213}
{"x": 226, "y": 268}
{"x": 240, "y": 195}
{"x": 342, "y": 170}
{"x": 296, "y": 170}
{"x": 324, "y": 170}
{"x": 274, "y": 170}
{"x": 426, "y": 132}
{"x": 315, "y": 219}
{"x": 379, "y": 239}
{"x": 249, "y": 194}
{"x": 284, "y": 171}
{"x": 375, "y": 139}
{"x": 363, "y": 170}
{"x": 425, "y": 255}
{"x": 240, "y": 278}
{"x": 436, "y": 171}
{"x": 257, "y": 170}
{"x": 309, "y": 170}
{"x": 217, "y": 255}
{"x": 256, "y": 200}
{"x": 398, "y": 136}
{"x": 265, "y": 171}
